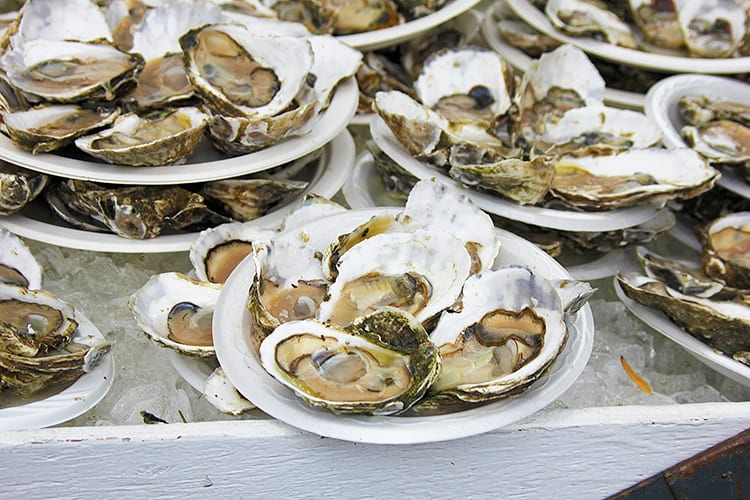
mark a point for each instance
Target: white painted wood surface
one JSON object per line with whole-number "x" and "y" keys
{"x": 580, "y": 454}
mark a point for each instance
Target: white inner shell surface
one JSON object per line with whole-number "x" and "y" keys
{"x": 441, "y": 258}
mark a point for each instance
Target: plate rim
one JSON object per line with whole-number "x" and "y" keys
{"x": 399, "y": 430}
{"x": 566, "y": 220}
{"x": 703, "y": 352}
{"x": 73, "y": 401}
{"x": 377, "y": 39}
{"x": 658, "y": 62}
{"x": 333, "y": 175}
{"x": 332, "y": 121}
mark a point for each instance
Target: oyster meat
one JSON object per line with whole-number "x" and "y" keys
{"x": 726, "y": 249}
{"x": 381, "y": 364}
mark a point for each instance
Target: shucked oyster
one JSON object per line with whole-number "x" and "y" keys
{"x": 726, "y": 249}
{"x": 157, "y": 138}
{"x": 18, "y": 187}
{"x": 36, "y": 351}
{"x": 509, "y": 331}
{"x": 17, "y": 264}
{"x": 380, "y": 364}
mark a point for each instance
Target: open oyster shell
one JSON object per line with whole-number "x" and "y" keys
{"x": 726, "y": 249}
{"x": 18, "y": 266}
{"x": 176, "y": 311}
{"x": 156, "y": 138}
{"x": 380, "y": 364}
{"x": 18, "y": 187}
{"x": 509, "y": 330}
{"x": 36, "y": 351}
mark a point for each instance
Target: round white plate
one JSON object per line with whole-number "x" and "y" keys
{"x": 239, "y": 361}
{"x": 658, "y": 62}
{"x": 195, "y": 371}
{"x": 661, "y": 108}
{"x": 520, "y": 61}
{"x": 206, "y": 164}
{"x": 566, "y": 220}
{"x": 75, "y": 400}
{"x": 660, "y": 322}
{"x": 394, "y": 35}
{"x": 38, "y": 222}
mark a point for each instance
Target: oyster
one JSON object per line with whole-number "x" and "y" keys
{"x": 726, "y": 249}
{"x": 17, "y": 264}
{"x": 421, "y": 272}
{"x": 176, "y": 311}
{"x": 248, "y": 199}
{"x": 220, "y": 392}
{"x": 722, "y": 324}
{"x": 631, "y": 177}
{"x": 722, "y": 141}
{"x": 18, "y": 187}
{"x": 711, "y": 28}
{"x": 36, "y": 347}
{"x": 49, "y": 126}
{"x": 79, "y": 20}
{"x": 698, "y": 110}
{"x": 380, "y": 364}
{"x": 288, "y": 286}
{"x": 218, "y": 250}
{"x": 508, "y": 333}
{"x": 658, "y": 23}
{"x": 136, "y": 212}
{"x": 590, "y": 17}
{"x": 157, "y": 138}
{"x": 70, "y": 71}
{"x": 239, "y": 73}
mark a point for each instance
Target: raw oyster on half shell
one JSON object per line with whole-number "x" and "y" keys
{"x": 380, "y": 364}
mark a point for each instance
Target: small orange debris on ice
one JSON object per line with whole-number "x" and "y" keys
{"x": 639, "y": 381}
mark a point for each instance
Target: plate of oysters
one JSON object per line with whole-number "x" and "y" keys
{"x": 188, "y": 93}
{"x": 348, "y": 326}
{"x": 93, "y": 216}
{"x": 561, "y": 160}
{"x": 54, "y": 363}
{"x": 692, "y": 304}
{"x": 695, "y": 36}
{"x": 710, "y": 114}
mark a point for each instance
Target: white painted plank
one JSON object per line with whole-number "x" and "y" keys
{"x": 566, "y": 453}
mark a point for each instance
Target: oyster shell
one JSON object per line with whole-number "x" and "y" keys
{"x": 631, "y": 177}
{"x": 248, "y": 199}
{"x": 711, "y": 28}
{"x": 220, "y": 392}
{"x": 380, "y": 364}
{"x": 70, "y": 71}
{"x": 137, "y": 212}
{"x": 721, "y": 141}
{"x": 658, "y": 23}
{"x": 421, "y": 272}
{"x": 176, "y": 311}
{"x": 697, "y": 110}
{"x": 51, "y": 126}
{"x": 722, "y": 324}
{"x": 156, "y": 138}
{"x": 508, "y": 333}
{"x": 218, "y": 250}
{"x": 36, "y": 350}
{"x": 590, "y": 17}
{"x": 726, "y": 249}
{"x": 17, "y": 264}
{"x": 18, "y": 187}
{"x": 239, "y": 73}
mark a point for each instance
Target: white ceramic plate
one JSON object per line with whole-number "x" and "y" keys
{"x": 75, "y": 400}
{"x": 206, "y": 164}
{"x": 660, "y": 322}
{"x": 394, "y": 35}
{"x": 38, "y": 223}
{"x": 661, "y": 108}
{"x": 657, "y": 62}
{"x": 520, "y": 61}
{"x": 566, "y": 220}
{"x": 237, "y": 358}
{"x": 195, "y": 371}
